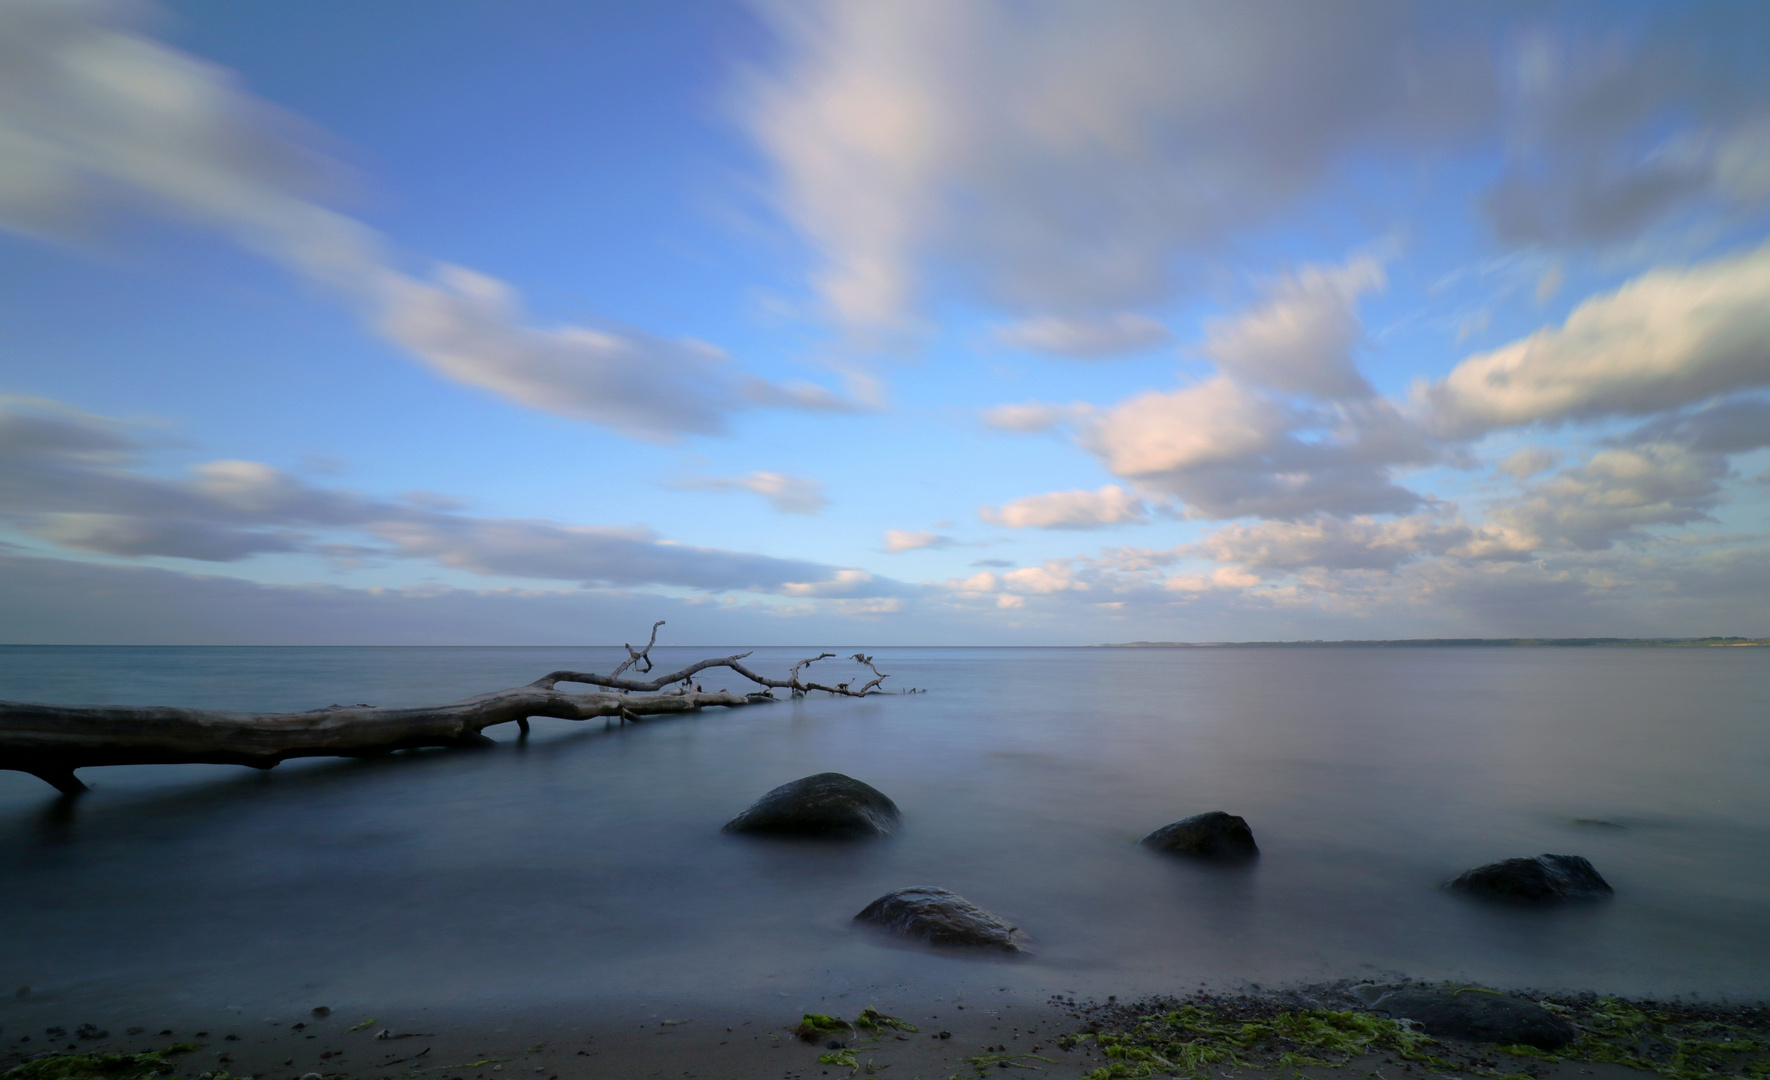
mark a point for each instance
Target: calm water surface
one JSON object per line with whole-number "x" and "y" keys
{"x": 587, "y": 864}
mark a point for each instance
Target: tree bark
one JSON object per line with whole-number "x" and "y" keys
{"x": 51, "y": 741}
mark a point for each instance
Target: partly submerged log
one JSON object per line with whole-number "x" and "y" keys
{"x": 51, "y": 741}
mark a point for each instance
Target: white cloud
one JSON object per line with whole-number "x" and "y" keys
{"x": 1208, "y": 423}
{"x": 1667, "y": 338}
{"x": 1111, "y": 505}
{"x": 95, "y": 115}
{"x": 1301, "y": 338}
{"x": 1228, "y": 451}
{"x": 787, "y": 494}
{"x": 1065, "y": 159}
{"x": 1087, "y": 337}
{"x": 900, "y": 540}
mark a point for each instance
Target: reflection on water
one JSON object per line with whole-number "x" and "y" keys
{"x": 586, "y": 863}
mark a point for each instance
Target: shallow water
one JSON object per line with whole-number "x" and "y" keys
{"x": 586, "y": 865}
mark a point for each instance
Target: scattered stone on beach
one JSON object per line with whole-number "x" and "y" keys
{"x": 940, "y": 917}
{"x": 1477, "y": 1015}
{"x": 828, "y": 804}
{"x": 1543, "y": 879}
{"x": 1215, "y": 835}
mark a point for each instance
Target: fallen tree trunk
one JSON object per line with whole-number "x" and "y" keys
{"x": 51, "y": 741}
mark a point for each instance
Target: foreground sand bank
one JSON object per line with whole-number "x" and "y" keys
{"x": 972, "y": 1035}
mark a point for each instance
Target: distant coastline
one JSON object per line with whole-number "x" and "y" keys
{"x": 1561, "y": 643}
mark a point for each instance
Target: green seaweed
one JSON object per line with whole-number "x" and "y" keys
{"x": 1671, "y": 1041}
{"x": 871, "y": 1019}
{"x": 1189, "y": 1040}
{"x": 839, "y": 1057}
{"x": 814, "y": 1026}
{"x": 1616, "y": 1032}
{"x": 980, "y": 1063}
{"x": 149, "y": 1066}
{"x": 366, "y": 1024}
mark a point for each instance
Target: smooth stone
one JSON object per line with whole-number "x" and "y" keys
{"x": 940, "y": 917}
{"x": 1478, "y": 1016}
{"x": 1544, "y": 879}
{"x": 1214, "y": 835}
{"x": 828, "y": 804}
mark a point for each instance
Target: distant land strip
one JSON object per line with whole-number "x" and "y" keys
{"x": 1561, "y": 643}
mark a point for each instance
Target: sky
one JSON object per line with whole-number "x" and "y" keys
{"x": 953, "y": 322}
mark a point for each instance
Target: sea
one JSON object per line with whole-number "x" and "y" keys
{"x": 585, "y": 863}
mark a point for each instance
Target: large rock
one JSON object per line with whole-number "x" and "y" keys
{"x": 828, "y": 804}
{"x": 1478, "y": 1016}
{"x": 941, "y": 918}
{"x": 1544, "y": 879}
{"x": 1214, "y": 835}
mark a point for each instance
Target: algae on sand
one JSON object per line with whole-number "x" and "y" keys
{"x": 150, "y": 1066}
{"x": 1188, "y": 1040}
{"x": 1657, "y": 1039}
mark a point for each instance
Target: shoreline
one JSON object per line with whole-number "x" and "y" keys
{"x": 980, "y": 1034}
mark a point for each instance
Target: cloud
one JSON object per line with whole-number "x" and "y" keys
{"x": 1667, "y": 338}
{"x": 1064, "y": 161}
{"x": 1729, "y": 427}
{"x": 1612, "y": 136}
{"x": 1111, "y": 505}
{"x": 1228, "y": 451}
{"x": 1088, "y": 337}
{"x": 1360, "y": 543}
{"x": 94, "y": 116}
{"x": 1240, "y": 442}
{"x": 133, "y": 536}
{"x": 1030, "y": 417}
{"x": 1526, "y": 463}
{"x": 899, "y": 540}
{"x": 593, "y": 555}
{"x": 1612, "y": 497}
{"x": 787, "y": 494}
{"x": 1301, "y": 338}
{"x": 62, "y": 601}
{"x": 74, "y": 480}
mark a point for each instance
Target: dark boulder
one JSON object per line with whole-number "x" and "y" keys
{"x": 940, "y": 918}
{"x": 1478, "y": 1016}
{"x": 1544, "y": 879}
{"x": 1214, "y": 835}
{"x": 828, "y": 804}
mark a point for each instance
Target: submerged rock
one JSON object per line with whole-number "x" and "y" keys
{"x": 1477, "y": 1015}
{"x": 828, "y": 804}
{"x": 941, "y": 918}
{"x": 1214, "y": 835}
{"x": 1544, "y": 879}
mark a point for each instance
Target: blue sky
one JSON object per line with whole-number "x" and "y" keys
{"x": 912, "y": 323}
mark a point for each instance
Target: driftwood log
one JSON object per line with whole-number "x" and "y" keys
{"x": 51, "y": 741}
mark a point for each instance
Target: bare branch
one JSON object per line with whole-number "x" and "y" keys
{"x": 642, "y": 656}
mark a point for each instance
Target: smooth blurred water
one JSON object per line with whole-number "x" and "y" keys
{"x": 587, "y": 864}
